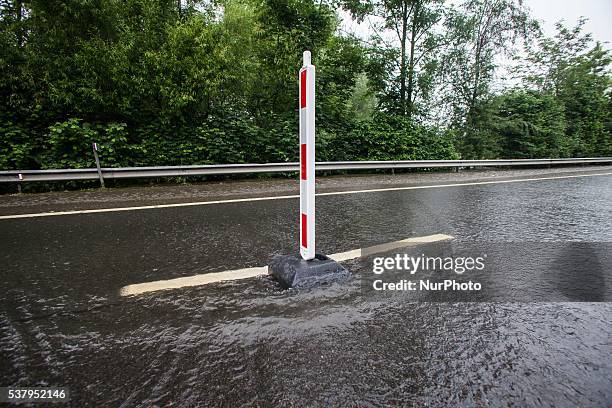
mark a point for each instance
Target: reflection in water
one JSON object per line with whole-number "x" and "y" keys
{"x": 323, "y": 346}
{"x": 579, "y": 274}
{"x": 249, "y": 343}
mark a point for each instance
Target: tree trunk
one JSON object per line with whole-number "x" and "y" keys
{"x": 413, "y": 34}
{"x": 474, "y": 96}
{"x": 403, "y": 58}
{"x": 19, "y": 4}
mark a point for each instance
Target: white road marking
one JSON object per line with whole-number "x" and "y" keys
{"x": 474, "y": 183}
{"x": 358, "y": 253}
{"x": 204, "y": 279}
{"x": 196, "y": 280}
{"x": 144, "y": 207}
{"x": 244, "y": 200}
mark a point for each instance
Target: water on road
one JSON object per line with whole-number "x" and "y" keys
{"x": 63, "y": 323}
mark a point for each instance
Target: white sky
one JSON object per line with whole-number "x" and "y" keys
{"x": 599, "y": 13}
{"x": 548, "y": 12}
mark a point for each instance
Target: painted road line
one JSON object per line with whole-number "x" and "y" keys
{"x": 204, "y": 279}
{"x": 196, "y": 280}
{"x": 145, "y": 207}
{"x": 357, "y": 253}
{"x": 285, "y": 197}
{"x": 474, "y": 183}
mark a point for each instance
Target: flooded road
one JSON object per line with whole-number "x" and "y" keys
{"x": 63, "y": 323}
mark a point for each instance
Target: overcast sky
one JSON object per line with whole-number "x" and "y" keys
{"x": 599, "y": 13}
{"x": 548, "y": 12}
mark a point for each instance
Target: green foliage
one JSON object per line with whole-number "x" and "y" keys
{"x": 478, "y": 32}
{"x": 15, "y": 146}
{"x": 564, "y": 110}
{"x": 69, "y": 144}
{"x": 530, "y": 125}
{"x": 155, "y": 83}
{"x": 576, "y": 72}
{"x": 393, "y": 137}
{"x": 113, "y": 144}
{"x": 406, "y": 67}
{"x": 362, "y": 102}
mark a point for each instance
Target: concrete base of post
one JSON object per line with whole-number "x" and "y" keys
{"x": 293, "y": 271}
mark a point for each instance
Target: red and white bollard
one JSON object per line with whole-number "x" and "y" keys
{"x": 307, "y": 159}
{"x": 308, "y": 268}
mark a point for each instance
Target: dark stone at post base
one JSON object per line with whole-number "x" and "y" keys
{"x": 293, "y": 271}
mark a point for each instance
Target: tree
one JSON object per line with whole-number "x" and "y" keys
{"x": 412, "y": 24}
{"x": 362, "y": 102}
{"x": 531, "y": 124}
{"x": 480, "y": 30}
{"x": 285, "y": 29}
{"x": 577, "y": 73}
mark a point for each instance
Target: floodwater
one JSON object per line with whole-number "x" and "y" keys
{"x": 248, "y": 342}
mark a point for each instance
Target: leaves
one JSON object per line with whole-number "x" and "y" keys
{"x": 216, "y": 82}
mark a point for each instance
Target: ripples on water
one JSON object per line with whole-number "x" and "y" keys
{"x": 249, "y": 343}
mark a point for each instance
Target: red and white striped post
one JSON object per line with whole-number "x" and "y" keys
{"x": 307, "y": 159}
{"x": 309, "y": 267}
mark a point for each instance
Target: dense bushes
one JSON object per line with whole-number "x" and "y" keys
{"x": 155, "y": 85}
{"x": 160, "y": 83}
{"x": 389, "y": 137}
{"x": 234, "y": 139}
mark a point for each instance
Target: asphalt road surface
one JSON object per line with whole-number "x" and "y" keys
{"x": 539, "y": 334}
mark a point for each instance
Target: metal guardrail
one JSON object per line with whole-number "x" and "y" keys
{"x": 20, "y": 176}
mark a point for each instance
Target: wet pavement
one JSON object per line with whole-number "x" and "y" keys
{"x": 224, "y": 190}
{"x": 63, "y": 323}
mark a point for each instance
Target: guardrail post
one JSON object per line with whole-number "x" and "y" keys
{"x": 307, "y": 159}
{"x": 94, "y": 145}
